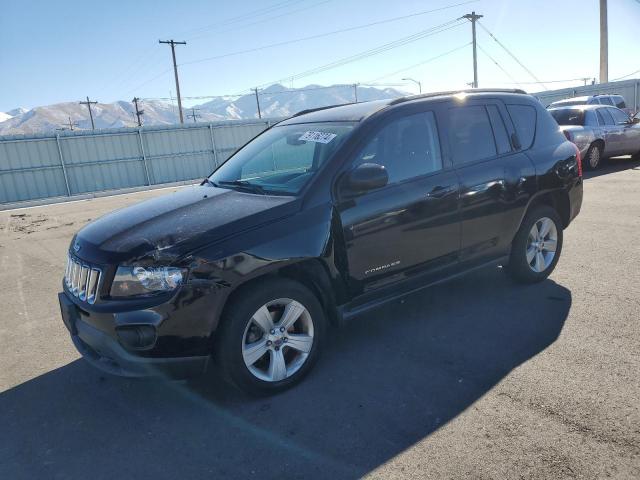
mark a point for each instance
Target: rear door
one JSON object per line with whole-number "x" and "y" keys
{"x": 496, "y": 178}
{"x": 613, "y": 135}
{"x": 630, "y": 132}
{"x": 410, "y": 227}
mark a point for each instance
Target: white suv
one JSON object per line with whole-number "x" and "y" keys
{"x": 611, "y": 100}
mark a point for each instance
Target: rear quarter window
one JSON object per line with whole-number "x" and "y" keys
{"x": 524, "y": 121}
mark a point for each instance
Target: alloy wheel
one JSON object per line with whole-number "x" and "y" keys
{"x": 594, "y": 157}
{"x": 542, "y": 244}
{"x": 277, "y": 340}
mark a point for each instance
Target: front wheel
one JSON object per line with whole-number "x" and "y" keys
{"x": 536, "y": 247}
{"x": 270, "y": 336}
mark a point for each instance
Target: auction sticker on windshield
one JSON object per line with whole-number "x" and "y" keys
{"x": 319, "y": 137}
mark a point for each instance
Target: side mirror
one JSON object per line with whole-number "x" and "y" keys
{"x": 365, "y": 177}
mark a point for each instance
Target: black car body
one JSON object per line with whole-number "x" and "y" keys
{"x": 351, "y": 232}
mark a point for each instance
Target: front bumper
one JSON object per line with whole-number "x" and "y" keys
{"x": 105, "y": 352}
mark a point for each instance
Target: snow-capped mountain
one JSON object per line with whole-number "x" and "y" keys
{"x": 4, "y": 116}
{"x": 279, "y": 101}
{"x": 275, "y": 101}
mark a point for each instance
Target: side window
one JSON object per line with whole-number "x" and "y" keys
{"x": 619, "y": 101}
{"x": 470, "y": 134}
{"x": 524, "y": 119}
{"x": 618, "y": 116}
{"x": 407, "y": 147}
{"x": 605, "y": 117}
{"x": 605, "y": 100}
{"x": 499, "y": 130}
{"x": 590, "y": 118}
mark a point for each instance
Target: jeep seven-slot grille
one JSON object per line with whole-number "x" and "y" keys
{"x": 82, "y": 280}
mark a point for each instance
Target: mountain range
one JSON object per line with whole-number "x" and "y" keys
{"x": 275, "y": 101}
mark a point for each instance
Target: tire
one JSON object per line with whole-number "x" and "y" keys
{"x": 254, "y": 318}
{"x": 522, "y": 266}
{"x": 593, "y": 157}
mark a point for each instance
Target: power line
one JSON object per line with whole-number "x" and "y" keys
{"x": 239, "y": 18}
{"x": 512, "y": 55}
{"x": 326, "y": 34}
{"x": 374, "y": 51}
{"x": 628, "y": 75}
{"x": 498, "y": 65}
{"x": 146, "y": 82}
{"x": 549, "y": 81}
{"x": 268, "y": 19}
{"x": 396, "y": 72}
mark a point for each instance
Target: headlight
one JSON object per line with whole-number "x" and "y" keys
{"x": 132, "y": 281}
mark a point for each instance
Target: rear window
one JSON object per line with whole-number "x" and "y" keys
{"x": 605, "y": 117}
{"x": 605, "y": 100}
{"x": 569, "y": 116}
{"x": 618, "y": 116}
{"x": 524, "y": 119}
{"x": 619, "y": 101}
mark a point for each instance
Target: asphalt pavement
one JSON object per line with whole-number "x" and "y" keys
{"x": 475, "y": 378}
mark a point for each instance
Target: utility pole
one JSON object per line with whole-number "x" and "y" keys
{"x": 355, "y": 91}
{"x": 193, "y": 114}
{"x": 72, "y": 124}
{"x": 604, "y": 43}
{"x": 175, "y": 71}
{"x": 255, "y": 90}
{"x": 472, "y": 17}
{"x": 139, "y": 112}
{"x": 88, "y": 103}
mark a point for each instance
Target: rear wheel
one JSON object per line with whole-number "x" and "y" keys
{"x": 593, "y": 157}
{"x": 536, "y": 247}
{"x": 270, "y": 336}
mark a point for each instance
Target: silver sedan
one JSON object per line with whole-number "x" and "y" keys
{"x": 599, "y": 131}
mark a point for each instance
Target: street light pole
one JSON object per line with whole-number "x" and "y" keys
{"x": 416, "y": 82}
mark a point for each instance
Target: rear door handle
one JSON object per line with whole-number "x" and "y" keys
{"x": 440, "y": 191}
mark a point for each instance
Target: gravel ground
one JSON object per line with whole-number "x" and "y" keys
{"x": 476, "y": 378}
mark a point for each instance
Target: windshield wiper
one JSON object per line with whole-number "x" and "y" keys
{"x": 210, "y": 182}
{"x": 244, "y": 184}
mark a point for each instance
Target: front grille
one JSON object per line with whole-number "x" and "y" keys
{"x": 82, "y": 280}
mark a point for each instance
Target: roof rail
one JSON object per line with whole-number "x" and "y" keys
{"x": 309, "y": 110}
{"x": 453, "y": 92}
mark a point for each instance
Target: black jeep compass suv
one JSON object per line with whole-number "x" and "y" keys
{"x": 322, "y": 217}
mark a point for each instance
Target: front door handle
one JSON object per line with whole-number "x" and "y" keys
{"x": 440, "y": 191}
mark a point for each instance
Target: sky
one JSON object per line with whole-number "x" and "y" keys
{"x": 62, "y": 51}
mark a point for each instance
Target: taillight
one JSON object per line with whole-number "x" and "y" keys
{"x": 578, "y": 160}
{"x": 568, "y": 134}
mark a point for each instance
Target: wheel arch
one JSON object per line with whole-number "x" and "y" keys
{"x": 557, "y": 199}
{"x": 309, "y": 272}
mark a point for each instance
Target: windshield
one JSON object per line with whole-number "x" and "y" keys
{"x": 283, "y": 159}
{"x": 568, "y": 116}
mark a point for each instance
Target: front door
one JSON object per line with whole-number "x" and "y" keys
{"x": 410, "y": 227}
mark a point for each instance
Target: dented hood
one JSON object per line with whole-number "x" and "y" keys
{"x": 175, "y": 224}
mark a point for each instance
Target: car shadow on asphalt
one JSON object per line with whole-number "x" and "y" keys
{"x": 613, "y": 165}
{"x": 386, "y": 381}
